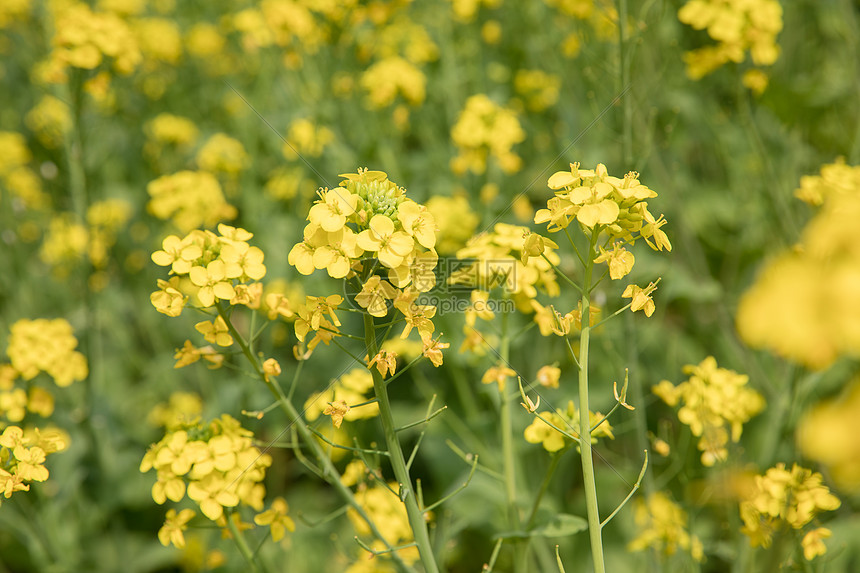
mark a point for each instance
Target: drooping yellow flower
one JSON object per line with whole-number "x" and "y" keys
{"x": 374, "y": 296}
{"x": 548, "y": 376}
{"x": 277, "y": 519}
{"x": 620, "y": 262}
{"x": 499, "y": 375}
{"x": 640, "y": 298}
{"x": 349, "y": 390}
{"x": 174, "y": 526}
{"x": 215, "y": 331}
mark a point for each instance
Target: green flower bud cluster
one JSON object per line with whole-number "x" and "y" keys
{"x": 377, "y": 195}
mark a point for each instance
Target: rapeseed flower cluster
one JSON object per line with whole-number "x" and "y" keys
{"x": 22, "y": 457}
{"x": 828, "y": 434}
{"x": 368, "y": 231}
{"x": 212, "y": 268}
{"x": 715, "y": 405}
{"x": 50, "y": 120}
{"x": 189, "y": 199}
{"x": 168, "y": 132}
{"x": 84, "y": 39}
{"x": 43, "y": 345}
{"x": 67, "y": 241}
{"x": 737, "y": 26}
{"x": 216, "y": 465}
{"x": 818, "y": 279}
{"x": 306, "y": 139}
{"x": 498, "y": 259}
{"x": 616, "y": 209}
{"x": 537, "y": 88}
{"x": 339, "y": 399}
{"x": 182, "y": 408}
{"x": 486, "y": 130}
{"x": 160, "y": 41}
{"x": 222, "y": 154}
{"x": 605, "y": 204}
{"x": 787, "y": 498}
{"x": 663, "y": 526}
{"x": 455, "y": 222}
{"x": 13, "y": 10}
{"x": 392, "y": 76}
{"x": 544, "y": 430}
{"x": 16, "y": 176}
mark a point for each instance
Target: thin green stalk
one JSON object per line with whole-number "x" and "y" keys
{"x": 241, "y": 544}
{"x": 592, "y": 510}
{"x": 553, "y": 465}
{"x": 508, "y": 458}
{"x": 398, "y": 462}
{"x": 507, "y": 435}
{"x": 294, "y": 419}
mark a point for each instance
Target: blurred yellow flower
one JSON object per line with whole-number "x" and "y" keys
{"x": 828, "y": 432}
{"x": 714, "y": 401}
{"x": 486, "y": 130}
{"x": 48, "y": 346}
{"x": 738, "y": 26}
{"x": 190, "y": 199}
{"x": 222, "y": 154}
{"x": 663, "y": 526}
{"x": 783, "y": 497}
{"x": 50, "y": 120}
{"x": 818, "y": 279}
{"x": 392, "y": 76}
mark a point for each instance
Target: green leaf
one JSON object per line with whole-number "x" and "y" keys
{"x": 561, "y": 525}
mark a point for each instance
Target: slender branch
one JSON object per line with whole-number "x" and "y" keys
{"x": 456, "y": 491}
{"x": 348, "y": 448}
{"x": 466, "y": 458}
{"x": 556, "y": 458}
{"x": 558, "y": 271}
{"x": 422, "y": 421}
{"x": 241, "y": 544}
{"x": 576, "y": 250}
{"x": 629, "y": 495}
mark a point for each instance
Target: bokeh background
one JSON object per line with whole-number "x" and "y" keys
{"x": 470, "y": 105}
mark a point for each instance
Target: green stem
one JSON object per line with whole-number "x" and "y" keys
{"x": 592, "y": 510}
{"x": 294, "y": 419}
{"x": 241, "y": 543}
{"x": 508, "y": 459}
{"x": 398, "y": 462}
{"x": 553, "y": 465}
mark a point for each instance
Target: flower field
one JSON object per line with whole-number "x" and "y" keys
{"x": 438, "y": 286}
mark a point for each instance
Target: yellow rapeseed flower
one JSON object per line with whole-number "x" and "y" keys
{"x": 715, "y": 405}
